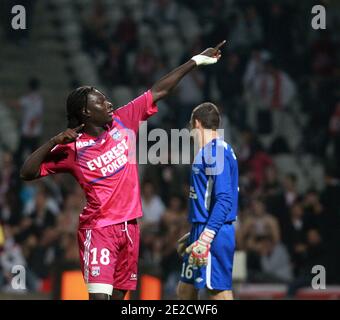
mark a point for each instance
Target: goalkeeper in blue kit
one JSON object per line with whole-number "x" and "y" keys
{"x": 208, "y": 250}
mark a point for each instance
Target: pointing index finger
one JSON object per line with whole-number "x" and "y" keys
{"x": 78, "y": 129}
{"x": 220, "y": 44}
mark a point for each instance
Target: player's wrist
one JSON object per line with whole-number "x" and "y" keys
{"x": 201, "y": 59}
{"x": 207, "y": 236}
{"x": 53, "y": 141}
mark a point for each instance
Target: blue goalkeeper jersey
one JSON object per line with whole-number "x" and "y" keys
{"x": 214, "y": 185}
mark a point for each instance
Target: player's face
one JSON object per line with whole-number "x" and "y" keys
{"x": 99, "y": 109}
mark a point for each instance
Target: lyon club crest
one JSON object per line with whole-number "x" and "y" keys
{"x": 115, "y": 134}
{"x": 95, "y": 271}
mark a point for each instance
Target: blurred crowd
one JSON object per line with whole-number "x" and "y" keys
{"x": 276, "y": 88}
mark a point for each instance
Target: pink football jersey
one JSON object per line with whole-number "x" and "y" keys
{"x": 105, "y": 166}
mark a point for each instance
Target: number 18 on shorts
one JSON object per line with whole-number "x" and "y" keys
{"x": 109, "y": 257}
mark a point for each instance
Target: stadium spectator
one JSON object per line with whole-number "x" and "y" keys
{"x": 152, "y": 204}
{"x": 334, "y": 130}
{"x": 254, "y": 67}
{"x": 189, "y": 94}
{"x": 160, "y": 12}
{"x": 42, "y": 204}
{"x": 229, "y": 83}
{"x": 67, "y": 220}
{"x": 259, "y": 223}
{"x": 172, "y": 225}
{"x": 113, "y": 68}
{"x": 269, "y": 261}
{"x": 225, "y": 123}
{"x": 291, "y": 193}
{"x": 253, "y": 25}
{"x": 168, "y": 179}
{"x": 42, "y": 253}
{"x": 31, "y": 107}
{"x": 247, "y": 31}
{"x": 272, "y": 192}
{"x": 174, "y": 215}
{"x": 145, "y": 66}
{"x": 294, "y": 233}
{"x": 7, "y": 183}
{"x": 278, "y": 36}
{"x": 323, "y": 54}
{"x": 258, "y": 162}
{"x": 315, "y": 215}
{"x": 126, "y": 31}
{"x": 95, "y": 26}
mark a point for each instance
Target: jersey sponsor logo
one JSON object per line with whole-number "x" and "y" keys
{"x": 133, "y": 277}
{"x": 110, "y": 161}
{"x": 95, "y": 271}
{"x": 115, "y": 134}
{"x": 82, "y": 144}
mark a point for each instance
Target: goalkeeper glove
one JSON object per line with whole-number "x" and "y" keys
{"x": 199, "y": 250}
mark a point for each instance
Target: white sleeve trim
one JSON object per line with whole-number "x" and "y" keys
{"x": 210, "y": 231}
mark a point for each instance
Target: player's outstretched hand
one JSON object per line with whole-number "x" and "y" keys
{"x": 209, "y": 56}
{"x": 199, "y": 250}
{"x": 69, "y": 135}
{"x": 181, "y": 244}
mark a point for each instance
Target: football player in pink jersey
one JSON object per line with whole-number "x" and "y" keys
{"x": 96, "y": 149}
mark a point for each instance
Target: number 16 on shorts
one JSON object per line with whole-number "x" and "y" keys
{"x": 187, "y": 271}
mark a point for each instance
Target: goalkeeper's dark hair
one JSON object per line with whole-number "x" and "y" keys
{"x": 207, "y": 113}
{"x": 76, "y": 100}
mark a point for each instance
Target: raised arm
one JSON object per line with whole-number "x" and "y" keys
{"x": 163, "y": 86}
{"x": 31, "y": 168}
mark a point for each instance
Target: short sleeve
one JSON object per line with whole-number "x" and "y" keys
{"x": 137, "y": 110}
{"x": 59, "y": 160}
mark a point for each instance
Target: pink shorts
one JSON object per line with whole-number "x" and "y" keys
{"x": 109, "y": 257}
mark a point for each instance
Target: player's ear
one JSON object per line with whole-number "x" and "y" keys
{"x": 198, "y": 124}
{"x": 85, "y": 113}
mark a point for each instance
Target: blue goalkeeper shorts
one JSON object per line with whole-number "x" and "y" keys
{"x": 217, "y": 275}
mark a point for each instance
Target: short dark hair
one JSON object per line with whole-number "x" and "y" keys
{"x": 76, "y": 100}
{"x": 34, "y": 84}
{"x": 207, "y": 113}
